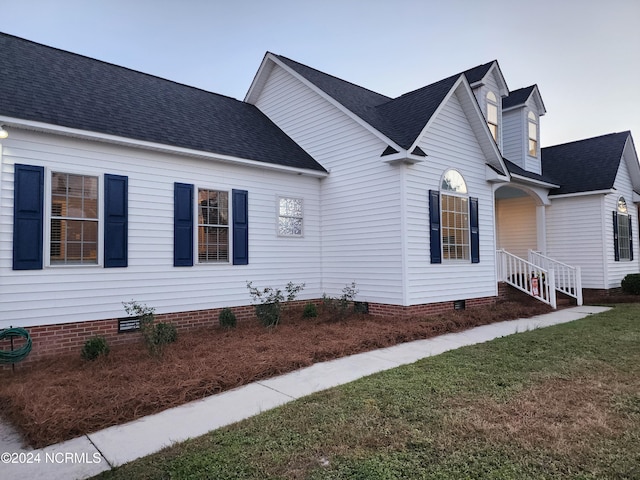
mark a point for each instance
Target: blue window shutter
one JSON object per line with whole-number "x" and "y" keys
{"x": 616, "y": 248}
{"x": 475, "y": 235}
{"x": 240, "y": 227}
{"x": 116, "y": 225}
{"x": 28, "y": 211}
{"x": 434, "y": 222}
{"x": 630, "y": 239}
{"x": 183, "y": 225}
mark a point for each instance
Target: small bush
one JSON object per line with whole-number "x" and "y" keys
{"x": 310, "y": 311}
{"x": 341, "y": 307}
{"x": 631, "y": 284}
{"x": 164, "y": 334}
{"x": 227, "y": 318}
{"x": 270, "y": 306}
{"x": 94, "y": 347}
{"x": 156, "y": 335}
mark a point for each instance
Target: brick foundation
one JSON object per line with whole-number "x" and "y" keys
{"x": 69, "y": 338}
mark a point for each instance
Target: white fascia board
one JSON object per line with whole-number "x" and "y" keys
{"x": 158, "y": 147}
{"x": 582, "y": 194}
{"x": 635, "y": 199}
{"x": 259, "y": 80}
{"x": 533, "y": 181}
{"x": 335, "y": 103}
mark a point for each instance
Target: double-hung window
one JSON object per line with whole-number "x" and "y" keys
{"x": 86, "y": 219}
{"x": 492, "y": 114}
{"x": 213, "y": 226}
{"x": 533, "y": 134}
{"x": 622, "y": 232}
{"x": 74, "y": 219}
{"x": 455, "y": 217}
{"x": 453, "y": 221}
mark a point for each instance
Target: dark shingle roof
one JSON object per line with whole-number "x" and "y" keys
{"x": 400, "y": 119}
{"x": 476, "y": 74}
{"x": 517, "y": 97}
{"x": 53, "y": 86}
{"x": 584, "y": 165}
{"x": 516, "y": 170}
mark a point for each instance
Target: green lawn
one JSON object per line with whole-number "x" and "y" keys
{"x": 559, "y": 402}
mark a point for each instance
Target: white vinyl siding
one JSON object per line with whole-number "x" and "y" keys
{"x": 70, "y": 294}
{"x": 513, "y": 136}
{"x": 450, "y": 143}
{"x": 576, "y": 227}
{"x": 361, "y": 227}
{"x": 616, "y": 271}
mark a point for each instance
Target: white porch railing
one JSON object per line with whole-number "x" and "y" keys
{"x": 527, "y": 277}
{"x": 568, "y": 279}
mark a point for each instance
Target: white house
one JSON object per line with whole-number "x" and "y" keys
{"x": 117, "y": 186}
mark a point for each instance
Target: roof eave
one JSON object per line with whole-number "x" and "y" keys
{"x": 158, "y": 147}
{"x": 582, "y": 194}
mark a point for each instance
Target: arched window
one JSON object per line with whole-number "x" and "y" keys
{"x": 492, "y": 114}
{"x": 454, "y": 203}
{"x": 533, "y": 134}
{"x": 622, "y": 227}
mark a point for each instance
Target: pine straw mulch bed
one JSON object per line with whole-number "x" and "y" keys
{"x": 60, "y": 399}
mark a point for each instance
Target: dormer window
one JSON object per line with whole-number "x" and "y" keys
{"x": 533, "y": 134}
{"x": 492, "y": 114}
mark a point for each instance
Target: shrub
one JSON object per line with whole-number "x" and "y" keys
{"x": 227, "y": 318}
{"x": 341, "y": 307}
{"x": 310, "y": 311}
{"x": 270, "y": 307}
{"x": 631, "y": 284}
{"x": 94, "y": 347}
{"x": 164, "y": 333}
{"x": 156, "y": 336}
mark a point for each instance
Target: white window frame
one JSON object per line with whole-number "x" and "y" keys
{"x": 466, "y": 244}
{"x": 48, "y": 190}
{"x": 532, "y": 120}
{"x": 197, "y": 224}
{"x": 492, "y": 101}
{"x": 279, "y": 199}
{"x": 624, "y": 239}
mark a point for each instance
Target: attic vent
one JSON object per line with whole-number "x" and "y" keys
{"x": 418, "y": 151}
{"x": 389, "y": 151}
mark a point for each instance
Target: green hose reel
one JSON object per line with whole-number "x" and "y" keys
{"x": 19, "y": 354}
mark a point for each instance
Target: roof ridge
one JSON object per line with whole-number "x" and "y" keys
{"x": 330, "y": 75}
{"x": 115, "y": 65}
{"x": 628, "y": 132}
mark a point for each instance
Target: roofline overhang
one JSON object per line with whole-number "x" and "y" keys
{"x": 152, "y": 146}
{"x": 404, "y": 157}
{"x": 582, "y": 194}
{"x": 533, "y": 181}
{"x": 492, "y": 175}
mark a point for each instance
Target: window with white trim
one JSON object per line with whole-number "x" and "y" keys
{"x": 492, "y": 114}
{"x": 454, "y": 203}
{"x": 624, "y": 242}
{"x": 533, "y": 134}
{"x": 213, "y": 226}
{"x": 290, "y": 216}
{"x": 74, "y": 219}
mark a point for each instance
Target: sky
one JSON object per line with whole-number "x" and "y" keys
{"x": 584, "y": 55}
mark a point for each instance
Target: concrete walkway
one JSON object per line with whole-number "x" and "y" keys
{"x": 86, "y": 456}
